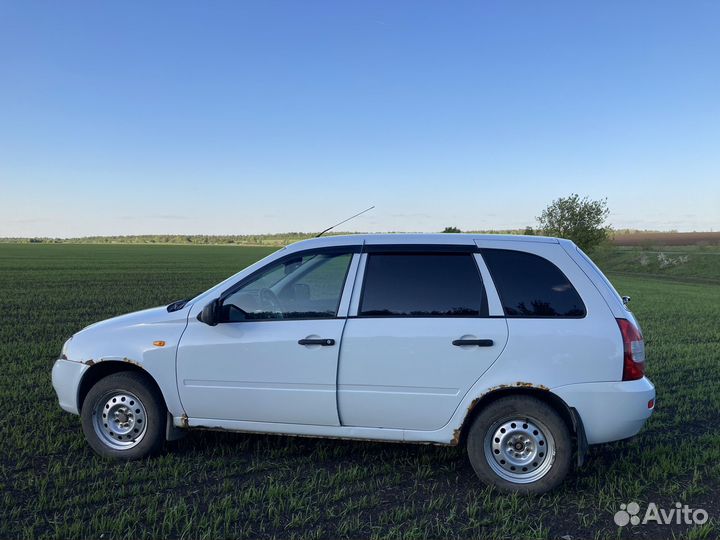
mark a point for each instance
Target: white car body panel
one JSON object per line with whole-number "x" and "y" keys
{"x": 557, "y": 351}
{"x": 610, "y": 411}
{"x": 387, "y": 379}
{"x": 606, "y": 415}
{"x": 404, "y": 373}
{"x": 66, "y": 377}
{"x": 129, "y": 339}
{"x": 256, "y": 371}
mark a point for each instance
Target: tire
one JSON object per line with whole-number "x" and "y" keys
{"x": 123, "y": 417}
{"x": 520, "y": 444}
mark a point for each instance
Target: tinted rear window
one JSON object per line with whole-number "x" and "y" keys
{"x": 531, "y": 286}
{"x": 422, "y": 285}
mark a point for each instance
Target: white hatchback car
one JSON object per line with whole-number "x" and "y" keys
{"x": 517, "y": 346}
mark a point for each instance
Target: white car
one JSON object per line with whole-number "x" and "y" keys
{"x": 516, "y": 346}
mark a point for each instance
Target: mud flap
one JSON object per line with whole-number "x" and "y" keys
{"x": 582, "y": 444}
{"x": 172, "y": 432}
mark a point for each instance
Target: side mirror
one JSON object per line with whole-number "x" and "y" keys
{"x": 210, "y": 314}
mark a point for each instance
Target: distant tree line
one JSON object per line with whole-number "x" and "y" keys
{"x": 581, "y": 220}
{"x": 279, "y": 239}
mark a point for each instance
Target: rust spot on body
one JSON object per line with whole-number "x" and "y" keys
{"x": 522, "y": 384}
{"x": 131, "y": 361}
{"x": 184, "y": 421}
{"x": 519, "y": 384}
{"x": 456, "y": 437}
{"x": 457, "y": 433}
{"x": 92, "y": 362}
{"x": 472, "y": 404}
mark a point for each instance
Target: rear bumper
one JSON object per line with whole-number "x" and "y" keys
{"x": 66, "y": 377}
{"x": 610, "y": 411}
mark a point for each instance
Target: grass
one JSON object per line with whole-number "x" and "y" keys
{"x": 233, "y": 485}
{"x": 698, "y": 263}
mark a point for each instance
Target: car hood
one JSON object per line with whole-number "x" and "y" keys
{"x": 157, "y": 315}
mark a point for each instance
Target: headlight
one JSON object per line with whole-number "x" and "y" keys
{"x": 63, "y": 353}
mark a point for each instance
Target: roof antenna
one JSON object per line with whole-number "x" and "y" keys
{"x": 343, "y": 221}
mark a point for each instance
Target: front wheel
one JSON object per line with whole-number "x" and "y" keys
{"x": 123, "y": 417}
{"x": 520, "y": 444}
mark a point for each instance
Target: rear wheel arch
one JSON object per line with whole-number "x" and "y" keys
{"x": 520, "y": 444}
{"x": 569, "y": 416}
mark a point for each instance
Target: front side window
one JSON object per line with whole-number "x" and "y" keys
{"x": 422, "y": 285}
{"x": 303, "y": 287}
{"x": 531, "y": 286}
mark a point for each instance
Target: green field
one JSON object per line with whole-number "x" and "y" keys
{"x": 234, "y": 485}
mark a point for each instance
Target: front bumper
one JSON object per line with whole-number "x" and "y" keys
{"x": 66, "y": 377}
{"x": 610, "y": 411}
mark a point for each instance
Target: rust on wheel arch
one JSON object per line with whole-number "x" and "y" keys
{"x": 131, "y": 361}
{"x": 521, "y": 384}
{"x": 457, "y": 433}
{"x": 127, "y": 360}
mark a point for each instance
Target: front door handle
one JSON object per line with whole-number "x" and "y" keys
{"x": 319, "y": 341}
{"x": 478, "y": 342}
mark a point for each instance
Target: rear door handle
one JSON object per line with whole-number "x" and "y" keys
{"x": 478, "y": 342}
{"x": 319, "y": 341}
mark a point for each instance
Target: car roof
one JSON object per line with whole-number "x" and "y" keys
{"x": 410, "y": 239}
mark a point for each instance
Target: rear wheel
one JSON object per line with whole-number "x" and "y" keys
{"x": 520, "y": 444}
{"x": 123, "y": 417}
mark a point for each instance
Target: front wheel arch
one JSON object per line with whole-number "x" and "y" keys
{"x": 124, "y": 416}
{"x": 105, "y": 368}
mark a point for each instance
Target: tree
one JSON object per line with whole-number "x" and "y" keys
{"x": 529, "y": 231}
{"x": 580, "y": 220}
{"x": 451, "y": 230}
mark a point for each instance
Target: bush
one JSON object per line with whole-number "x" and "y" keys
{"x": 580, "y": 220}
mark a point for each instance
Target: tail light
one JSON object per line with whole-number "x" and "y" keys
{"x": 633, "y": 351}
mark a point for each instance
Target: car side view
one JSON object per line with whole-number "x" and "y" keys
{"x": 515, "y": 346}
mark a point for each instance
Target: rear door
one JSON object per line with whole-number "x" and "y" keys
{"x": 418, "y": 337}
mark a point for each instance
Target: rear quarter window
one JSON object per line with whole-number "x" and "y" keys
{"x": 532, "y": 286}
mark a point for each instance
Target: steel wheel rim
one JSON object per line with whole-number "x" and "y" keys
{"x": 119, "y": 419}
{"x": 519, "y": 450}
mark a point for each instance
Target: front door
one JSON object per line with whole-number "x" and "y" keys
{"x": 273, "y": 358}
{"x": 420, "y": 339}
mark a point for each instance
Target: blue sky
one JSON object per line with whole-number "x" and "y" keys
{"x": 248, "y": 117}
